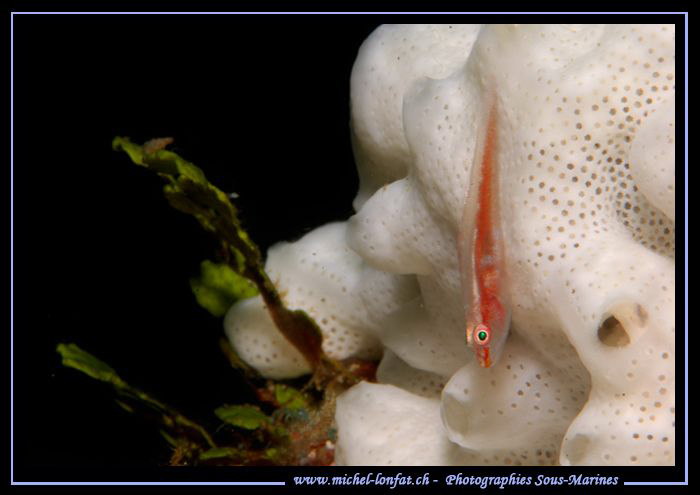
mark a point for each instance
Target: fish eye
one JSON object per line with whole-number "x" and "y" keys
{"x": 482, "y": 334}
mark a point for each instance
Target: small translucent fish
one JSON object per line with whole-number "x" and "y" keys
{"x": 481, "y": 254}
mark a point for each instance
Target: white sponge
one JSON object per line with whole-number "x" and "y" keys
{"x": 319, "y": 274}
{"x": 653, "y": 159}
{"x": 387, "y": 64}
{"x": 257, "y": 341}
{"x": 394, "y": 371}
{"x": 523, "y": 404}
{"x": 584, "y": 126}
{"x": 386, "y": 425}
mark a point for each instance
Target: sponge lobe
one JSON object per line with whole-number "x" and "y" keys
{"x": 382, "y": 424}
{"x": 585, "y": 147}
{"x": 584, "y": 130}
{"x": 319, "y": 274}
{"x": 653, "y": 159}
{"x": 394, "y": 371}
{"x": 524, "y": 403}
{"x": 257, "y": 341}
{"x": 388, "y": 62}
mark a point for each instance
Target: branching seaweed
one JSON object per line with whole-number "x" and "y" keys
{"x": 289, "y": 426}
{"x": 188, "y": 190}
{"x": 186, "y": 431}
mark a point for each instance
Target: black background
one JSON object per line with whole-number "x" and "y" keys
{"x": 261, "y": 103}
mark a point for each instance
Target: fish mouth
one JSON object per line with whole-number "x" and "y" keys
{"x": 484, "y": 358}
